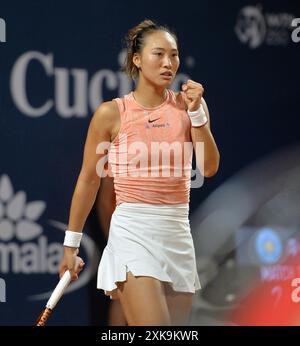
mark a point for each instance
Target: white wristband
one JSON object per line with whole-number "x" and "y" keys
{"x": 198, "y": 117}
{"x": 72, "y": 239}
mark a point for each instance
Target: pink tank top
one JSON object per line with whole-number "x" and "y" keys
{"x": 151, "y": 157}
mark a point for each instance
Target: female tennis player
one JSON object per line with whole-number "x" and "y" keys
{"x": 149, "y": 260}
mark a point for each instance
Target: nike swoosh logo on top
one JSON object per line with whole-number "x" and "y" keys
{"x": 151, "y": 121}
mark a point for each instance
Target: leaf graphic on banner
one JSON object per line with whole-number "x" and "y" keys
{"x": 1, "y": 210}
{"x": 27, "y": 230}
{"x": 34, "y": 210}
{"x": 16, "y": 206}
{"x": 6, "y": 189}
{"x": 6, "y": 230}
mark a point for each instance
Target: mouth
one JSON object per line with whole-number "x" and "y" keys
{"x": 167, "y": 74}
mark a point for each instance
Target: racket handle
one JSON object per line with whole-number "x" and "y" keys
{"x": 59, "y": 290}
{"x": 41, "y": 321}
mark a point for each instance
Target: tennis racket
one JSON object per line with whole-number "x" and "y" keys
{"x": 54, "y": 298}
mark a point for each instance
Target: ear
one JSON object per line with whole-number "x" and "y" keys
{"x": 136, "y": 59}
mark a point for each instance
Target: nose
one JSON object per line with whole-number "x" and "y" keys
{"x": 167, "y": 62}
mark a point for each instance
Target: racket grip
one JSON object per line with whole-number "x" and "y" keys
{"x": 59, "y": 290}
{"x": 41, "y": 321}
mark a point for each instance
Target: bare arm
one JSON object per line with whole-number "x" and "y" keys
{"x": 106, "y": 203}
{"x": 88, "y": 181}
{"x": 211, "y": 152}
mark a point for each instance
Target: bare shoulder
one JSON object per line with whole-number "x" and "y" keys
{"x": 105, "y": 117}
{"x": 107, "y": 111}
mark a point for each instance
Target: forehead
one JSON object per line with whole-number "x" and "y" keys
{"x": 160, "y": 39}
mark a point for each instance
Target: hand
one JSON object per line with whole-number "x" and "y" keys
{"x": 193, "y": 92}
{"x": 72, "y": 262}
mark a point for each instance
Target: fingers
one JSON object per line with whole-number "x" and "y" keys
{"x": 79, "y": 267}
{"x": 73, "y": 263}
{"x": 192, "y": 93}
{"x": 62, "y": 268}
{"x": 192, "y": 86}
{"x": 61, "y": 272}
{"x": 74, "y": 273}
{"x": 79, "y": 264}
{"x": 74, "y": 276}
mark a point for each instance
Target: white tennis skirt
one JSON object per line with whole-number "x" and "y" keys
{"x": 149, "y": 240}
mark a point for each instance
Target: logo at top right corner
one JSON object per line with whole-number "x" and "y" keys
{"x": 255, "y": 27}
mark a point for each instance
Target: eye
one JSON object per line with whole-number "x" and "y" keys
{"x": 158, "y": 53}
